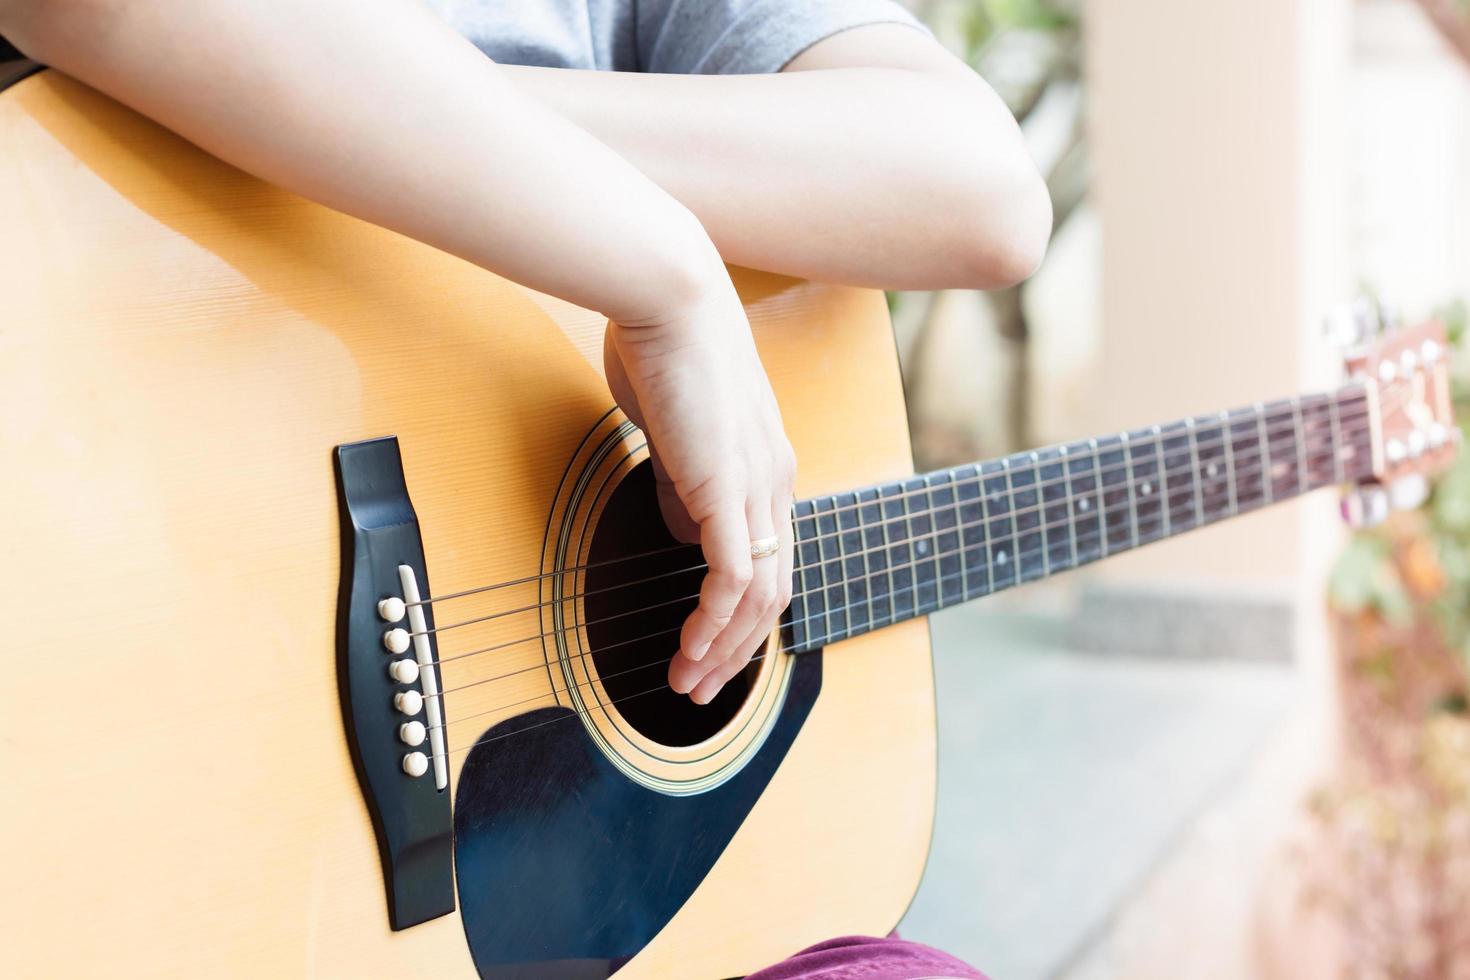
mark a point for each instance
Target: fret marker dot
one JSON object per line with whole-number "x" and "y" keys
{"x": 1000, "y": 557}
{"x": 1147, "y": 489}
{"x": 1212, "y": 470}
{"x": 921, "y": 547}
{"x": 1083, "y": 504}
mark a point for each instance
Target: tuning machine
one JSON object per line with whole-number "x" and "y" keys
{"x": 1350, "y": 326}
{"x": 1365, "y": 505}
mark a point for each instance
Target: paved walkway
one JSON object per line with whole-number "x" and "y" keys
{"x": 1064, "y": 778}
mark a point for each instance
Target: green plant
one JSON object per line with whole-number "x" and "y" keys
{"x": 1395, "y": 857}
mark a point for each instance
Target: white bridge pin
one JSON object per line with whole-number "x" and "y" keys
{"x": 412, "y": 733}
{"x": 409, "y": 702}
{"x": 415, "y": 764}
{"x": 403, "y": 671}
{"x": 396, "y": 640}
{"x": 391, "y": 609}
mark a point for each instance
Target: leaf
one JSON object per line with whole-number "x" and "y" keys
{"x": 1364, "y": 578}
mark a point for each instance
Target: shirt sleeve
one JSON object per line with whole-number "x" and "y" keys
{"x": 743, "y": 37}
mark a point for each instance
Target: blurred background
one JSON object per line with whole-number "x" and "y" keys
{"x": 1245, "y": 752}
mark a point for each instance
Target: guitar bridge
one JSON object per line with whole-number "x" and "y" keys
{"x": 388, "y": 673}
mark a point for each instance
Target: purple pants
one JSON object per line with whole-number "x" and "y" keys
{"x": 868, "y": 958}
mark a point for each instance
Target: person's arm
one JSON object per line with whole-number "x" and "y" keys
{"x": 875, "y": 158}
{"x": 377, "y": 108}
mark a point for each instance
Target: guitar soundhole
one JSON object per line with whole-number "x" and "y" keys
{"x": 634, "y": 605}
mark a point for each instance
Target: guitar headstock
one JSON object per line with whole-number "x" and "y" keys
{"x": 1406, "y": 371}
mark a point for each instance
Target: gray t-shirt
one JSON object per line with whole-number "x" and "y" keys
{"x": 685, "y": 37}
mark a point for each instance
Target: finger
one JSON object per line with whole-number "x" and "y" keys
{"x": 786, "y": 558}
{"x": 711, "y": 684}
{"x": 756, "y": 607}
{"x": 754, "y": 616}
{"x": 706, "y": 687}
{"x": 692, "y": 674}
{"x": 725, "y": 539}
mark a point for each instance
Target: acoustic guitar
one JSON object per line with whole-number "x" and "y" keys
{"x": 340, "y": 605}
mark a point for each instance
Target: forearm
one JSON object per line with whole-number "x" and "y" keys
{"x": 870, "y": 175}
{"x": 378, "y": 109}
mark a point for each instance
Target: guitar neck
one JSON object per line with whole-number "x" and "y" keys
{"x": 872, "y": 557}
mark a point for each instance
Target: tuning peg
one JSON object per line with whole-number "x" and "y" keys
{"x": 1389, "y": 315}
{"x": 1408, "y": 492}
{"x": 1365, "y": 505}
{"x": 1345, "y": 326}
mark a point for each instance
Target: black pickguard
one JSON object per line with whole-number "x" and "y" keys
{"x": 567, "y": 868}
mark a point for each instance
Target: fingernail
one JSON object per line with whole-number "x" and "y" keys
{"x": 697, "y": 654}
{"x": 700, "y": 698}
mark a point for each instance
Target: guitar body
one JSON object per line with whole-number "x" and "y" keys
{"x": 182, "y": 348}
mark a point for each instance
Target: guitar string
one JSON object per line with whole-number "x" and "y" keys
{"x": 575, "y": 714}
{"x": 912, "y": 587}
{"x": 1118, "y": 506}
{"x": 1215, "y": 436}
{"x": 1349, "y": 399}
{"x": 557, "y": 692}
{"x": 785, "y": 650}
{"x": 1262, "y": 457}
{"x": 1127, "y": 463}
{"x": 912, "y": 565}
{"x": 1097, "y": 473}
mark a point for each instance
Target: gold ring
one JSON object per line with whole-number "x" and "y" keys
{"x": 765, "y": 547}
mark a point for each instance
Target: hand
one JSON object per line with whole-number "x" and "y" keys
{"x": 692, "y": 380}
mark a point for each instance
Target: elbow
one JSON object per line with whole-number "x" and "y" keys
{"x": 997, "y": 209}
{"x": 1006, "y": 229}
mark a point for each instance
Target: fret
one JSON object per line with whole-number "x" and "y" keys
{"x": 1143, "y": 468}
{"x": 875, "y": 555}
{"x": 1069, "y": 508}
{"x": 1087, "y": 501}
{"x": 1319, "y": 448}
{"x": 1179, "y": 482}
{"x": 1030, "y": 544}
{"x": 1263, "y": 453}
{"x": 1194, "y": 472}
{"x": 808, "y": 601}
{"x": 1163, "y": 473}
{"x": 976, "y": 556}
{"x": 854, "y": 564}
{"x": 834, "y": 587}
{"x": 1243, "y": 433}
{"x": 1225, "y": 443}
{"x": 1281, "y": 450}
{"x": 1000, "y": 523}
{"x": 1102, "y": 511}
{"x": 1056, "y": 509}
{"x": 1336, "y": 423}
{"x": 900, "y": 552}
{"x": 1132, "y": 495}
{"x": 1359, "y": 449}
{"x": 921, "y": 534}
{"x": 1215, "y": 485}
{"x": 1299, "y": 424}
{"x": 1117, "y": 495}
{"x": 948, "y": 557}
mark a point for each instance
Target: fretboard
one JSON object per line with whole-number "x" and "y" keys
{"x": 872, "y": 557}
